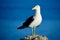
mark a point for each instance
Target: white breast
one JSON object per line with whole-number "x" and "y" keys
{"x": 36, "y": 22}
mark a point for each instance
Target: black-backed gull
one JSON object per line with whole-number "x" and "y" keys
{"x": 33, "y": 21}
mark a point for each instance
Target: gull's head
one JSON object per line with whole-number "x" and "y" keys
{"x": 36, "y": 7}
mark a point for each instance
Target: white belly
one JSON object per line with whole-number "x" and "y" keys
{"x": 37, "y": 21}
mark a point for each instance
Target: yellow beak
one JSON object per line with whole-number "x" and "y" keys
{"x": 33, "y": 9}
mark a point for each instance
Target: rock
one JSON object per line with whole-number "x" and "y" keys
{"x": 37, "y": 37}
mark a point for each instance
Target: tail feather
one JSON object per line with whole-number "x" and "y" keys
{"x": 22, "y": 27}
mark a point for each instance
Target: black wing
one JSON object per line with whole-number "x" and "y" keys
{"x": 26, "y": 23}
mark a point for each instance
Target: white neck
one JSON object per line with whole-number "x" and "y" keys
{"x": 38, "y": 12}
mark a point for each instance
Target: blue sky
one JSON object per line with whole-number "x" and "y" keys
{"x": 14, "y": 12}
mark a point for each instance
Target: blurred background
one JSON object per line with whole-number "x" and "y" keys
{"x": 14, "y": 12}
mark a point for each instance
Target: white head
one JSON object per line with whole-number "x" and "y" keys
{"x": 37, "y": 7}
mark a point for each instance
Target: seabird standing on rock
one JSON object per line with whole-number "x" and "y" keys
{"x": 33, "y": 21}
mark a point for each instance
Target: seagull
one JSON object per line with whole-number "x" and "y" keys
{"x": 33, "y": 21}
